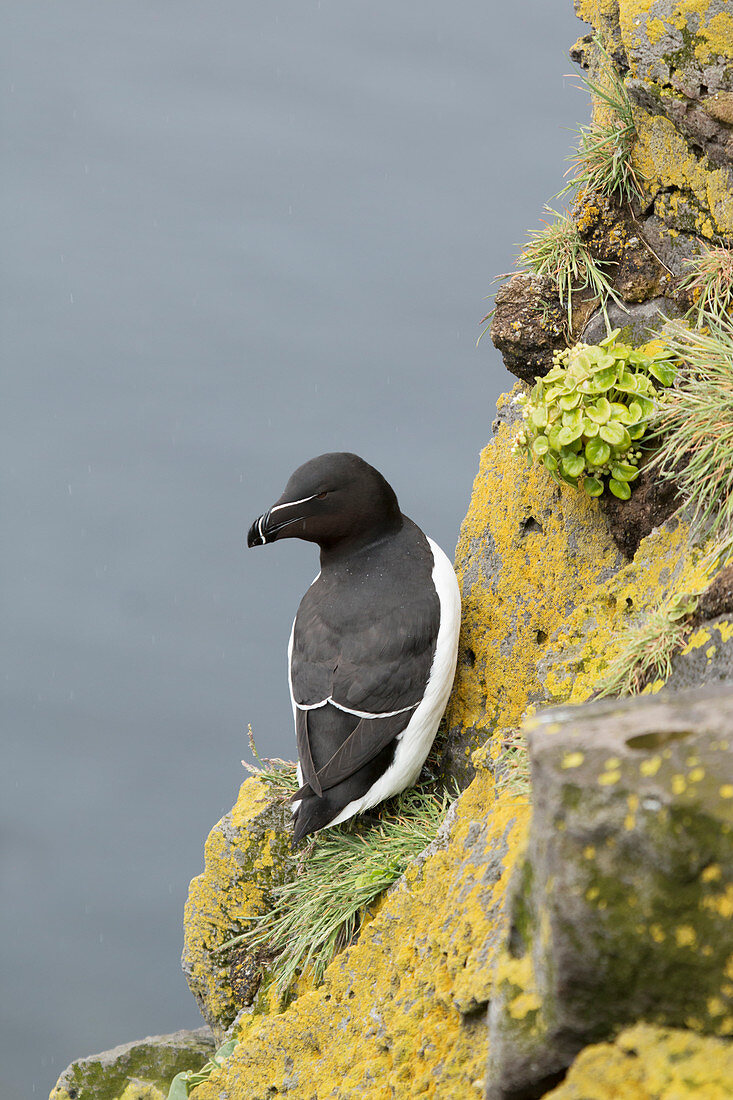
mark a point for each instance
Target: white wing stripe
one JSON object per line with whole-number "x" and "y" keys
{"x": 350, "y": 710}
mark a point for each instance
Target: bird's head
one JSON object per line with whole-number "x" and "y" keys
{"x": 334, "y": 500}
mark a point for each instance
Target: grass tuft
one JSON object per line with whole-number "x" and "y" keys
{"x": 648, "y": 649}
{"x": 710, "y": 279}
{"x": 279, "y": 774}
{"x": 695, "y": 423}
{"x": 559, "y": 252}
{"x": 339, "y": 874}
{"x": 602, "y": 160}
{"x": 511, "y": 771}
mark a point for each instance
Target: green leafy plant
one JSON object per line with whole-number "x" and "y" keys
{"x": 695, "y": 424}
{"x": 339, "y": 875}
{"x": 585, "y": 418}
{"x": 602, "y": 160}
{"x": 710, "y": 279}
{"x": 559, "y": 252}
{"x": 647, "y": 650}
{"x": 183, "y": 1083}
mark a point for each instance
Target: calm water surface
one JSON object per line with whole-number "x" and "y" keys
{"x": 235, "y": 235}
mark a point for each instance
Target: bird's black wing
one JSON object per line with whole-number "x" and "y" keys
{"x": 365, "y": 741}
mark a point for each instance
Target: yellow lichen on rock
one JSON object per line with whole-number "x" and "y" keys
{"x": 664, "y": 161}
{"x": 673, "y": 57}
{"x": 546, "y": 594}
{"x": 245, "y": 855}
{"x": 650, "y": 1063}
{"x": 529, "y": 552}
{"x": 397, "y": 1012}
{"x": 712, "y": 36}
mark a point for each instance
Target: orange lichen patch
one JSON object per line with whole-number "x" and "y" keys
{"x": 394, "y": 1015}
{"x": 649, "y": 1063}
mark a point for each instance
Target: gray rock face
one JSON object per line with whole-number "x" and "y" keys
{"x": 638, "y": 322}
{"x": 672, "y": 80}
{"x": 150, "y": 1064}
{"x": 625, "y": 887}
{"x": 707, "y": 658}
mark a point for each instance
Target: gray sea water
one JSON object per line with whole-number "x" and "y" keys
{"x": 235, "y": 235}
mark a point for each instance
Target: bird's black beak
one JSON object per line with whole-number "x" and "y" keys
{"x": 257, "y": 534}
{"x": 281, "y": 516}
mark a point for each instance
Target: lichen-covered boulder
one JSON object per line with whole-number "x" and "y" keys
{"x": 402, "y": 1011}
{"x": 651, "y": 1063}
{"x": 622, "y": 907}
{"x": 246, "y": 854}
{"x": 528, "y": 325}
{"x": 135, "y": 1071}
{"x": 547, "y": 595}
{"x": 678, "y": 57}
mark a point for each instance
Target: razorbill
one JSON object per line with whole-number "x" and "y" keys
{"x": 373, "y": 648}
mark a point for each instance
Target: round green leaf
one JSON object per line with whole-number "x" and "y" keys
{"x": 178, "y": 1089}
{"x": 573, "y": 465}
{"x": 601, "y": 360}
{"x": 539, "y": 416}
{"x": 540, "y": 446}
{"x": 550, "y": 461}
{"x": 597, "y": 452}
{"x": 605, "y": 379}
{"x": 592, "y": 486}
{"x": 569, "y": 401}
{"x": 619, "y": 489}
{"x": 624, "y": 471}
{"x": 610, "y": 338}
{"x": 636, "y": 431}
{"x": 647, "y": 405}
{"x": 626, "y": 382}
{"x": 601, "y": 411}
{"x": 554, "y": 436}
{"x": 634, "y": 413}
{"x": 613, "y": 432}
{"x": 568, "y": 435}
{"x": 619, "y": 411}
{"x": 572, "y": 418}
{"x": 589, "y": 428}
{"x": 664, "y": 372}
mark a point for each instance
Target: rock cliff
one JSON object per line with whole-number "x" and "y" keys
{"x": 568, "y": 934}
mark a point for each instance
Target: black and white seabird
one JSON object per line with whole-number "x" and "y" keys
{"x": 373, "y": 648}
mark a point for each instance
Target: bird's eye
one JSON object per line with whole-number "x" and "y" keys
{"x": 323, "y": 495}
